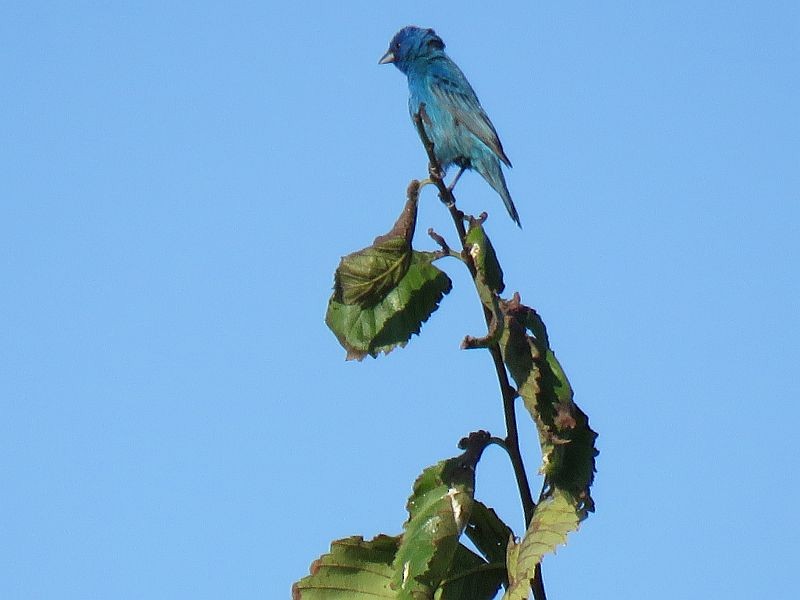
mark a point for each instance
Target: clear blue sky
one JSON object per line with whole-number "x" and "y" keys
{"x": 178, "y": 182}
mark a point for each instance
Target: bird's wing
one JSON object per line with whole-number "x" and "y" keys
{"x": 451, "y": 88}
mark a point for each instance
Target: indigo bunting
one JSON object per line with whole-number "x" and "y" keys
{"x": 458, "y": 126}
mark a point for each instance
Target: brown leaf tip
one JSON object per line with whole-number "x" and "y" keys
{"x": 315, "y": 567}
{"x": 564, "y": 418}
{"x": 514, "y": 305}
{"x": 413, "y": 189}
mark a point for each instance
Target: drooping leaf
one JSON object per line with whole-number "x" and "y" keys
{"x": 471, "y": 577}
{"x": 394, "y": 319}
{"x": 366, "y": 277}
{"x": 567, "y": 441}
{"x": 484, "y": 256}
{"x": 555, "y": 516}
{"x": 384, "y": 293}
{"x": 439, "y": 509}
{"x": 354, "y": 569}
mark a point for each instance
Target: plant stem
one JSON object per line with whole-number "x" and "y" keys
{"x": 508, "y": 392}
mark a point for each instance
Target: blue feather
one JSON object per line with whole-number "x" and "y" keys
{"x": 458, "y": 126}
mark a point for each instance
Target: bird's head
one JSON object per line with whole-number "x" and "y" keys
{"x": 412, "y": 44}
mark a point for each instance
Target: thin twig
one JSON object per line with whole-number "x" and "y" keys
{"x": 439, "y": 240}
{"x": 509, "y": 394}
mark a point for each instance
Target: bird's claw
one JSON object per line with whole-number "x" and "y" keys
{"x": 435, "y": 172}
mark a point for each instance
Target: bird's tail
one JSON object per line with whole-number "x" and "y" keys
{"x": 493, "y": 174}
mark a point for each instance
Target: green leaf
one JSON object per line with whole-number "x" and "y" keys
{"x": 484, "y": 256}
{"x": 439, "y": 509}
{"x": 367, "y": 276}
{"x": 354, "y": 569}
{"x": 567, "y": 441}
{"x": 553, "y": 519}
{"x": 488, "y": 532}
{"x": 471, "y": 577}
{"x": 394, "y": 319}
{"x": 384, "y": 293}
{"x": 571, "y": 465}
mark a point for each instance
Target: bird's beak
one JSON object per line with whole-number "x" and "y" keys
{"x": 387, "y": 58}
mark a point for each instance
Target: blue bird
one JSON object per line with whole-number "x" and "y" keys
{"x": 458, "y": 126}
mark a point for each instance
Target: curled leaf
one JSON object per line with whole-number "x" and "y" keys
{"x": 567, "y": 441}
{"x": 365, "y": 277}
{"x": 484, "y": 256}
{"x": 382, "y": 294}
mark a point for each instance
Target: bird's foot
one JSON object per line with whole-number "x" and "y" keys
{"x": 436, "y": 172}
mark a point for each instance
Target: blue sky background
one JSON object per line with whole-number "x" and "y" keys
{"x": 178, "y": 182}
